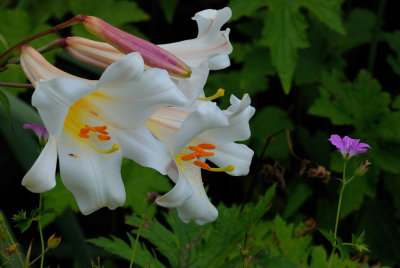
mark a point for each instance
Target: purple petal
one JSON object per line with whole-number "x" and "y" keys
{"x": 336, "y": 141}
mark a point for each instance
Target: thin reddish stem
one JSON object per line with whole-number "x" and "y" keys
{"x": 6, "y": 84}
{"x": 74, "y": 20}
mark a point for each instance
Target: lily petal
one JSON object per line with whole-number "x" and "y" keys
{"x": 197, "y": 207}
{"x": 142, "y": 147}
{"x": 178, "y": 194}
{"x": 93, "y": 178}
{"x": 41, "y": 177}
{"x": 210, "y": 40}
{"x": 128, "y": 96}
{"x": 54, "y": 97}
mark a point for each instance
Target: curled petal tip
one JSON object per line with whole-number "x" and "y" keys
{"x": 153, "y": 55}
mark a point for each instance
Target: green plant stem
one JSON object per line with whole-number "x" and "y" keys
{"x": 39, "y": 220}
{"x": 9, "y": 53}
{"x": 12, "y": 241}
{"x": 344, "y": 183}
{"x": 136, "y": 242}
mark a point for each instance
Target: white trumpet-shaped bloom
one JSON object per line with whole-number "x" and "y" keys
{"x": 92, "y": 125}
{"x": 195, "y": 135}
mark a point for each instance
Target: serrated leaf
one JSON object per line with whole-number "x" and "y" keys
{"x": 345, "y": 103}
{"x": 284, "y": 32}
{"x": 22, "y": 221}
{"x": 327, "y": 11}
{"x": 266, "y": 122}
{"x": 122, "y": 249}
{"x": 245, "y": 8}
{"x": 165, "y": 241}
{"x": 327, "y": 234}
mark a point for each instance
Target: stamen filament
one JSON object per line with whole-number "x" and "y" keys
{"x": 114, "y": 148}
{"x": 220, "y": 92}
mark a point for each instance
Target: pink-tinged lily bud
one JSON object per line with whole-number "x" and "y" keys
{"x": 153, "y": 55}
{"x": 95, "y": 53}
{"x": 36, "y": 67}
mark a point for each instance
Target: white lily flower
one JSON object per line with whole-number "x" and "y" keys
{"x": 209, "y": 51}
{"x": 93, "y": 124}
{"x": 194, "y": 135}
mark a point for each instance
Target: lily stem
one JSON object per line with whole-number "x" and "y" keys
{"x": 9, "y": 52}
{"x": 334, "y": 243}
{"x": 6, "y": 84}
{"x": 39, "y": 220}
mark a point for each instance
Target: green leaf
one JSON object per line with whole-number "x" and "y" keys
{"x": 245, "y": 8}
{"x": 355, "y": 192}
{"x": 284, "y": 32}
{"x": 318, "y": 257}
{"x": 4, "y": 42}
{"x": 6, "y": 104}
{"x": 345, "y": 103}
{"x": 57, "y": 199}
{"x": 274, "y": 262}
{"x": 122, "y": 249}
{"x": 156, "y": 233}
{"x": 393, "y": 40}
{"x": 298, "y": 194}
{"x": 22, "y": 221}
{"x": 138, "y": 181}
{"x": 168, "y": 7}
{"x": 127, "y": 11}
{"x": 266, "y": 122}
{"x": 327, "y": 11}
{"x": 327, "y": 234}
{"x": 18, "y": 139}
{"x": 17, "y": 24}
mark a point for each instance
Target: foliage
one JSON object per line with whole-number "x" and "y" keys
{"x": 311, "y": 67}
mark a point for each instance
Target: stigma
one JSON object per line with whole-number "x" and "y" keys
{"x": 220, "y": 92}
{"x": 200, "y": 151}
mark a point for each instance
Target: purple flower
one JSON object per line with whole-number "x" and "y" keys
{"x": 348, "y": 147}
{"x": 41, "y": 132}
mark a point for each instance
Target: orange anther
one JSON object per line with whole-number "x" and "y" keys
{"x": 189, "y": 156}
{"x": 201, "y": 165}
{"x": 207, "y": 146}
{"x": 104, "y": 137}
{"x": 196, "y": 149}
{"x": 84, "y": 130}
{"x": 83, "y": 135}
{"x": 206, "y": 154}
{"x": 100, "y": 128}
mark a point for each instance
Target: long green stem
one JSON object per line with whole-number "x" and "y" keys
{"x": 334, "y": 244}
{"x": 40, "y": 231}
{"x": 136, "y": 242}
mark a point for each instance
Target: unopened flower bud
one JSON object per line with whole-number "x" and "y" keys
{"x": 152, "y": 196}
{"x": 53, "y": 241}
{"x": 153, "y": 55}
{"x": 362, "y": 169}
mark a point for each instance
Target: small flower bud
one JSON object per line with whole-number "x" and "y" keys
{"x": 362, "y": 169}
{"x": 53, "y": 241}
{"x": 152, "y": 196}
